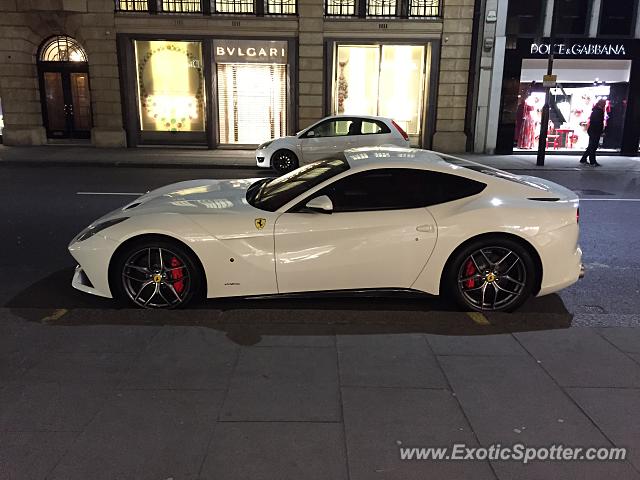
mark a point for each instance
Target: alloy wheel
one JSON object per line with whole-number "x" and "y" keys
{"x": 492, "y": 278}
{"x": 156, "y": 278}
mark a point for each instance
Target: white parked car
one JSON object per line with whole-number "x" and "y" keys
{"x": 378, "y": 218}
{"x": 327, "y": 138}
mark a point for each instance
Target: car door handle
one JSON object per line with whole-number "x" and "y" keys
{"x": 425, "y": 228}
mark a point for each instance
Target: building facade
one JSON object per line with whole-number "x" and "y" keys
{"x": 230, "y": 73}
{"x": 597, "y": 56}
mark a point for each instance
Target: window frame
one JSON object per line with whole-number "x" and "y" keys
{"x": 587, "y": 22}
{"x": 402, "y": 10}
{"x": 209, "y": 8}
{"x": 329, "y": 120}
{"x": 634, "y": 21}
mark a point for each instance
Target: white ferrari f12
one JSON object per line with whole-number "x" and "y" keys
{"x": 378, "y": 218}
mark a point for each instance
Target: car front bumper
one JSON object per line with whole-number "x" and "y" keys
{"x": 263, "y": 158}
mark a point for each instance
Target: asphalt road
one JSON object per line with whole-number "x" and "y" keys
{"x": 44, "y": 207}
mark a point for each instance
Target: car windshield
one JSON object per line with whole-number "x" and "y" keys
{"x": 272, "y": 193}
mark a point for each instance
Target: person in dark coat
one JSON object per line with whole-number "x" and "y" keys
{"x": 596, "y": 127}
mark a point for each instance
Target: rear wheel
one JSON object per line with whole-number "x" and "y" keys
{"x": 284, "y": 161}
{"x": 495, "y": 274}
{"x": 156, "y": 275}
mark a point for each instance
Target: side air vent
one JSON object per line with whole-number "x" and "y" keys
{"x": 544, "y": 199}
{"x": 133, "y": 205}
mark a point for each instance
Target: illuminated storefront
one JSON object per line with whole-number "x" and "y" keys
{"x": 240, "y": 96}
{"x": 252, "y": 90}
{"x": 587, "y": 71}
{"x": 389, "y": 80}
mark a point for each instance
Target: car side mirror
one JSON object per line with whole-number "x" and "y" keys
{"x": 322, "y": 204}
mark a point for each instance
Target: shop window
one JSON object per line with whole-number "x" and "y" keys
{"x": 234, "y": 6}
{"x": 1, "y": 119}
{"x": 281, "y": 7}
{"x": 385, "y": 80}
{"x": 572, "y": 16}
{"x": 340, "y": 8}
{"x": 616, "y": 17}
{"x": 524, "y": 18}
{"x": 381, "y": 8}
{"x": 424, "y": 8}
{"x": 170, "y": 86}
{"x": 252, "y": 102}
{"x": 132, "y": 6}
{"x": 181, "y": 6}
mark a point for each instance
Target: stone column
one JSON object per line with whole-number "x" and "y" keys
{"x": 454, "y": 76}
{"x": 310, "y": 64}
{"x": 99, "y": 36}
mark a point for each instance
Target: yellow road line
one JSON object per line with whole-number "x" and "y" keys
{"x": 479, "y": 318}
{"x": 56, "y": 315}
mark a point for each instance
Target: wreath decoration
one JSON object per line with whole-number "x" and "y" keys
{"x": 172, "y": 123}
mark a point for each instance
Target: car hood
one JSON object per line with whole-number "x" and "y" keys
{"x": 195, "y": 197}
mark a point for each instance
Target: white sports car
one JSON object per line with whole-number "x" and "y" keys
{"x": 378, "y": 218}
{"x": 327, "y": 138}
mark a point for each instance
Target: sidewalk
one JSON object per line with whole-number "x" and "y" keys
{"x": 260, "y": 394}
{"x": 220, "y": 158}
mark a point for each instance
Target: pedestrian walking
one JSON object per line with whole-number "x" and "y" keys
{"x": 596, "y": 127}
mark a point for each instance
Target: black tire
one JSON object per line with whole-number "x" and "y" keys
{"x": 284, "y": 161}
{"x": 138, "y": 278}
{"x": 495, "y": 274}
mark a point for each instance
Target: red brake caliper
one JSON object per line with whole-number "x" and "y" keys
{"x": 470, "y": 270}
{"x": 177, "y": 275}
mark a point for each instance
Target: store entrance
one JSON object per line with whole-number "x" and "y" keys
{"x": 64, "y": 88}
{"x": 252, "y": 102}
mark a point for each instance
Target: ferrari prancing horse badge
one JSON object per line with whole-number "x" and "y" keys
{"x": 260, "y": 223}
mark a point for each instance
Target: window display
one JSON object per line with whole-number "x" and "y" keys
{"x": 170, "y": 86}
{"x": 570, "y": 108}
{"x": 384, "y": 80}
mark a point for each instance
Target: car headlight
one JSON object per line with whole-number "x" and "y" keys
{"x": 91, "y": 230}
{"x": 265, "y": 144}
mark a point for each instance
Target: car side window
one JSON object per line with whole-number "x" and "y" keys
{"x": 374, "y": 127}
{"x": 397, "y": 189}
{"x": 337, "y": 128}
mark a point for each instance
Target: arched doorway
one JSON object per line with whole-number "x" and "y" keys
{"x": 63, "y": 72}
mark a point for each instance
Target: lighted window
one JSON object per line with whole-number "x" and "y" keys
{"x": 281, "y": 7}
{"x": 234, "y": 6}
{"x": 381, "y": 8}
{"x": 385, "y": 80}
{"x": 181, "y": 6}
{"x": 170, "y": 86}
{"x": 132, "y": 5}
{"x": 62, "y": 49}
{"x": 340, "y": 7}
{"x": 424, "y": 8}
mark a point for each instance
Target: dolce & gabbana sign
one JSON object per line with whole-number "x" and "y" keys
{"x": 580, "y": 49}
{"x": 250, "y": 51}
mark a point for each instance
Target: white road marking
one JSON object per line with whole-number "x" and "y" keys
{"x": 610, "y": 199}
{"x": 131, "y": 194}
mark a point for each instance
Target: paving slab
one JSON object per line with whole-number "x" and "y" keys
{"x": 98, "y": 338}
{"x": 503, "y": 344}
{"x": 284, "y": 384}
{"x": 579, "y": 357}
{"x": 378, "y": 421}
{"x": 144, "y": 435}
{"x": 184, "y": 358}
{"x": 49, "y": 406}
{"x": 511, "y": 400}
{"x": 388, "y": 361}
{"x": 615, "y": 412}
{"x": 625, "y": 338}
{"x": 105, "y": 369}
{"x": 273, "y": 450}
{"x": 31, "y": 455}
{"x": 14, "y": 364}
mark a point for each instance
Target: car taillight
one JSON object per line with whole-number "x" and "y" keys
{"x": 399, "y": 128}
{"x": 578, "y": 215}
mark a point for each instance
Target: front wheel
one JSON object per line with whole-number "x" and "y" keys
{"x": 156, "y": 275}
{"x": 491, "y": 275}
{"x": 284, "y": 161}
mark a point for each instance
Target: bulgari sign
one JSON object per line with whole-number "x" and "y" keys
{"x": 250, "y": 51}
{"x": 580, "y": 49}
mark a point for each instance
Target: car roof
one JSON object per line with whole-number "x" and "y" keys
{"x": 365, "y": 117}
{"x": 391, "y": 156}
